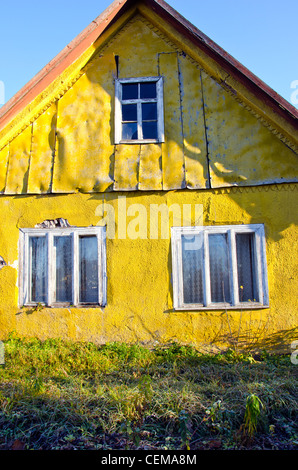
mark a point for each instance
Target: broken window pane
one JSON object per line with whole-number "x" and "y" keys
{"x": 38, "y": 269}
{"x": 88, "y": 259}
{"x": 129, "y": 131}
{"x": 64, "y": 258}
{"x": 246, "y": 267}
{"x": 192, "y": 266}
{"x": 219, "y": 268}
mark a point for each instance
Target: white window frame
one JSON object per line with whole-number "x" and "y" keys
{"x": 50, "y": 233}
{"x": 139, "y": 101}
{"x": 231, "y": 231}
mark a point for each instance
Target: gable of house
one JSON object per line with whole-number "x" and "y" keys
{"x": 213, "y": 138}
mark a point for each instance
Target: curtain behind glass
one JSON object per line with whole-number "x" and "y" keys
{"x": 192, "y": 269}
{"x": 38, "y": 269}
{"x": 88, "y": 259}
{"x": 219, "y": 268}
{"x": 245, "y": 266}
{"x": 64, "y": 258}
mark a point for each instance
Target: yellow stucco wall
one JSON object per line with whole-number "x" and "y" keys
{"x": 59, "y": 160}
{"x": 139, "y": 268}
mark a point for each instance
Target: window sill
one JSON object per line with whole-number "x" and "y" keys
{"x": 62, "y": 305}
{"x": 147, "y": 141}
{"x": 246, "y": 306}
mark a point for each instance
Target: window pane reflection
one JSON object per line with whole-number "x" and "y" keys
{"x": 88, "y": 260}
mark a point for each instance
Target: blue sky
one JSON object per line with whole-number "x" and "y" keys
{"x": 261, "y": 34}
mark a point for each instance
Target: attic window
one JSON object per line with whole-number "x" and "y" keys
{"x": 219, "y": 267}
{"x": 139, "y": 110}
{"x": 62, "y": 266}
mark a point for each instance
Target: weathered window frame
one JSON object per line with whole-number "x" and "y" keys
{"x": 139, "y": 101}
{"x": 49, "y": 234}
{"x": 231, "y": 231}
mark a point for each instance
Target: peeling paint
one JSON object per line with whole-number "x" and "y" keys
{"x": 55, "y": 223}
{"x": 14, "y": 264}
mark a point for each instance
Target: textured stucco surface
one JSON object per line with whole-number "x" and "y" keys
{"x": 139, "y": 288}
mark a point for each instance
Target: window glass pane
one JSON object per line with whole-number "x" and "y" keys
{"x": 63, "y": 259}
{"x": 129, "y": 131}
{"x": 88, "y": 269}
{"x": 148, "y": 90}
{"x": 129, "y": 112}
{"x": 192, "y": 269}
{"x": 129, "y": 91}
{"x": 38, "y": 268}
{"x": 219, "y": 268}
{"x": 149, "y": 111}
{"x": 246, "y": 268}
{"x": 150, "y": 130}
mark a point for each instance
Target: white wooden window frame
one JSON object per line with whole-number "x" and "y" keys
{"x": 75, "y": 233}
{"x": 231, "y": 231}
{"x": 139, "y": 101}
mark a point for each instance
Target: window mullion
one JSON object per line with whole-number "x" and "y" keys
{"x": 139, "y": 116}
{"x": 29, "y": 273}
{"x": 103, "y": 262}
{"x": 233, "y": 267}
{"x": 51, "y": 292}
{"x": 178, "y": 255}
{"x": 75, "y": 269}
{"x": 257, "y": 260}
{"x": 26, "y": 267}
{"x": 100, "y": 269}
{"x": 178, "y": 298}
{"x": 160, "y": 110}
{"x": 206, "y": 277}
{"x": 118, "y": 112}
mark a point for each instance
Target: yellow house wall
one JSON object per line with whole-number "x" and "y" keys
{"x": 58, "y": 159}
{"x": 139, "y": 268}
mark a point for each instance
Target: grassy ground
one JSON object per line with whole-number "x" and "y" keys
{"x": 60, "y": 395}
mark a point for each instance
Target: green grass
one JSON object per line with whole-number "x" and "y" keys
{"x": 62, "y": 395}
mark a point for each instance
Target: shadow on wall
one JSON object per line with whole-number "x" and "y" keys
{"x": 260, "y": 341}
